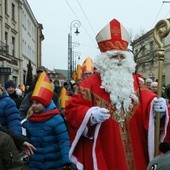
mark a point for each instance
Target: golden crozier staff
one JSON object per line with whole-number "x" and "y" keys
{"x": 161, "y": 30}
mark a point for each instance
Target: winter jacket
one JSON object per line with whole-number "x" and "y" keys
{"x": 9, "y": 114}
{"x": 48, "y": 133}
{"x": 9, "y": 155}
{"x": 17, "y": 99}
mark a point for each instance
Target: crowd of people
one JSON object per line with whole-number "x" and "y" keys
{"x": 103, "y": 121}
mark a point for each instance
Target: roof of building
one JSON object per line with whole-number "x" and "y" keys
{"x": 64, "y": 72}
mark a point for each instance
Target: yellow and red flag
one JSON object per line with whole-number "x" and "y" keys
{"x": 43, "y": 91}
{"x": 74, "y": 75}
{"x": 88, "y": 65}
{"x": 79, "y": 72}
{"x": 64, "y": 98}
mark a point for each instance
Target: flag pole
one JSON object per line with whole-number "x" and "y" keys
{"x": 161, "y": 30}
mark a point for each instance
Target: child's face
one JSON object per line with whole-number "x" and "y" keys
{"x": 37, "y": 107}
{"x": 10, "y": 90}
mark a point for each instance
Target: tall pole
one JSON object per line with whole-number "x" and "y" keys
{"x": 161, "y": 30}
{"x": 76, "y": 24}
{"x": 76, "y": 56}
{"x": 69, "y": 55}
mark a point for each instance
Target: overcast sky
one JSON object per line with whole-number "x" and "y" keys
{"x": 57, "y": 16}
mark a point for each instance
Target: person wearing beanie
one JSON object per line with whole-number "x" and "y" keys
{"x": 46, "y": 130}
{"x": 10, "y": 83}
{"x": 110, "y": 118}
{"x": 13, "y": 93}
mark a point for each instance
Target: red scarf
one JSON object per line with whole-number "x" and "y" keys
{"x": 40, "y": 117}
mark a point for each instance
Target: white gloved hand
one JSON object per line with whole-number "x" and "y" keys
{"x": 99, "y": 115}
{"x": 159, "y": 105}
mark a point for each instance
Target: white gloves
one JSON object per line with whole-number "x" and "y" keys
{"x": 159, "y": 105}
{"x": 99, "y": 115}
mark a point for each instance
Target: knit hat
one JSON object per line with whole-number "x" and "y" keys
{"x": 9, "y": 83}
{"x": 113, "y": 36}
{"x": 43, "y": 91}
{"x": 161, "y": 162}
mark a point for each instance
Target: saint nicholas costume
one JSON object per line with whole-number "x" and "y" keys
{"x": 122, "y": 142}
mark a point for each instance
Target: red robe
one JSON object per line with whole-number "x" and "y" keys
{"x": 167, "y": 138}
{"x": 110, "y": 145}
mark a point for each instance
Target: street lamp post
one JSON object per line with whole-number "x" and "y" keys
{"x": 76, "y": 24}
{"x": 77, "y": 55}
{"x": 74, "y": 53}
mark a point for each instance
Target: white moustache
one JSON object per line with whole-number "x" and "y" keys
{"x": 119, "y": 64}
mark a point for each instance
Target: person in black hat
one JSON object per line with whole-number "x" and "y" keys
{"x": 11, "y": 89}
{"x": 39, "y": 70}
{"x": 57, "y": 87}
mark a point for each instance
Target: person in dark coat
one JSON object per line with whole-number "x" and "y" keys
{"x": 57, "y": 87}
{"x": 9, "y": 114}
{"x": 10, "y": 156}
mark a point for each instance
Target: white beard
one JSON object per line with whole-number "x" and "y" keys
{"x": 118, "y": 80}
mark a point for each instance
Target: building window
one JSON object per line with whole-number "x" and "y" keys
{"x": 13, "y": 11}
{"x": 13, "y": 46}
{"x": 24, "y": 76}
{"x": 6, "y": 7}
{"x": 6, "y": 38}
{"x": 14, "y": 78}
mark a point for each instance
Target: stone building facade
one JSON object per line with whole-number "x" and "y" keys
{"x": 20, "y": 40}
{"x": 144, "y": 49}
